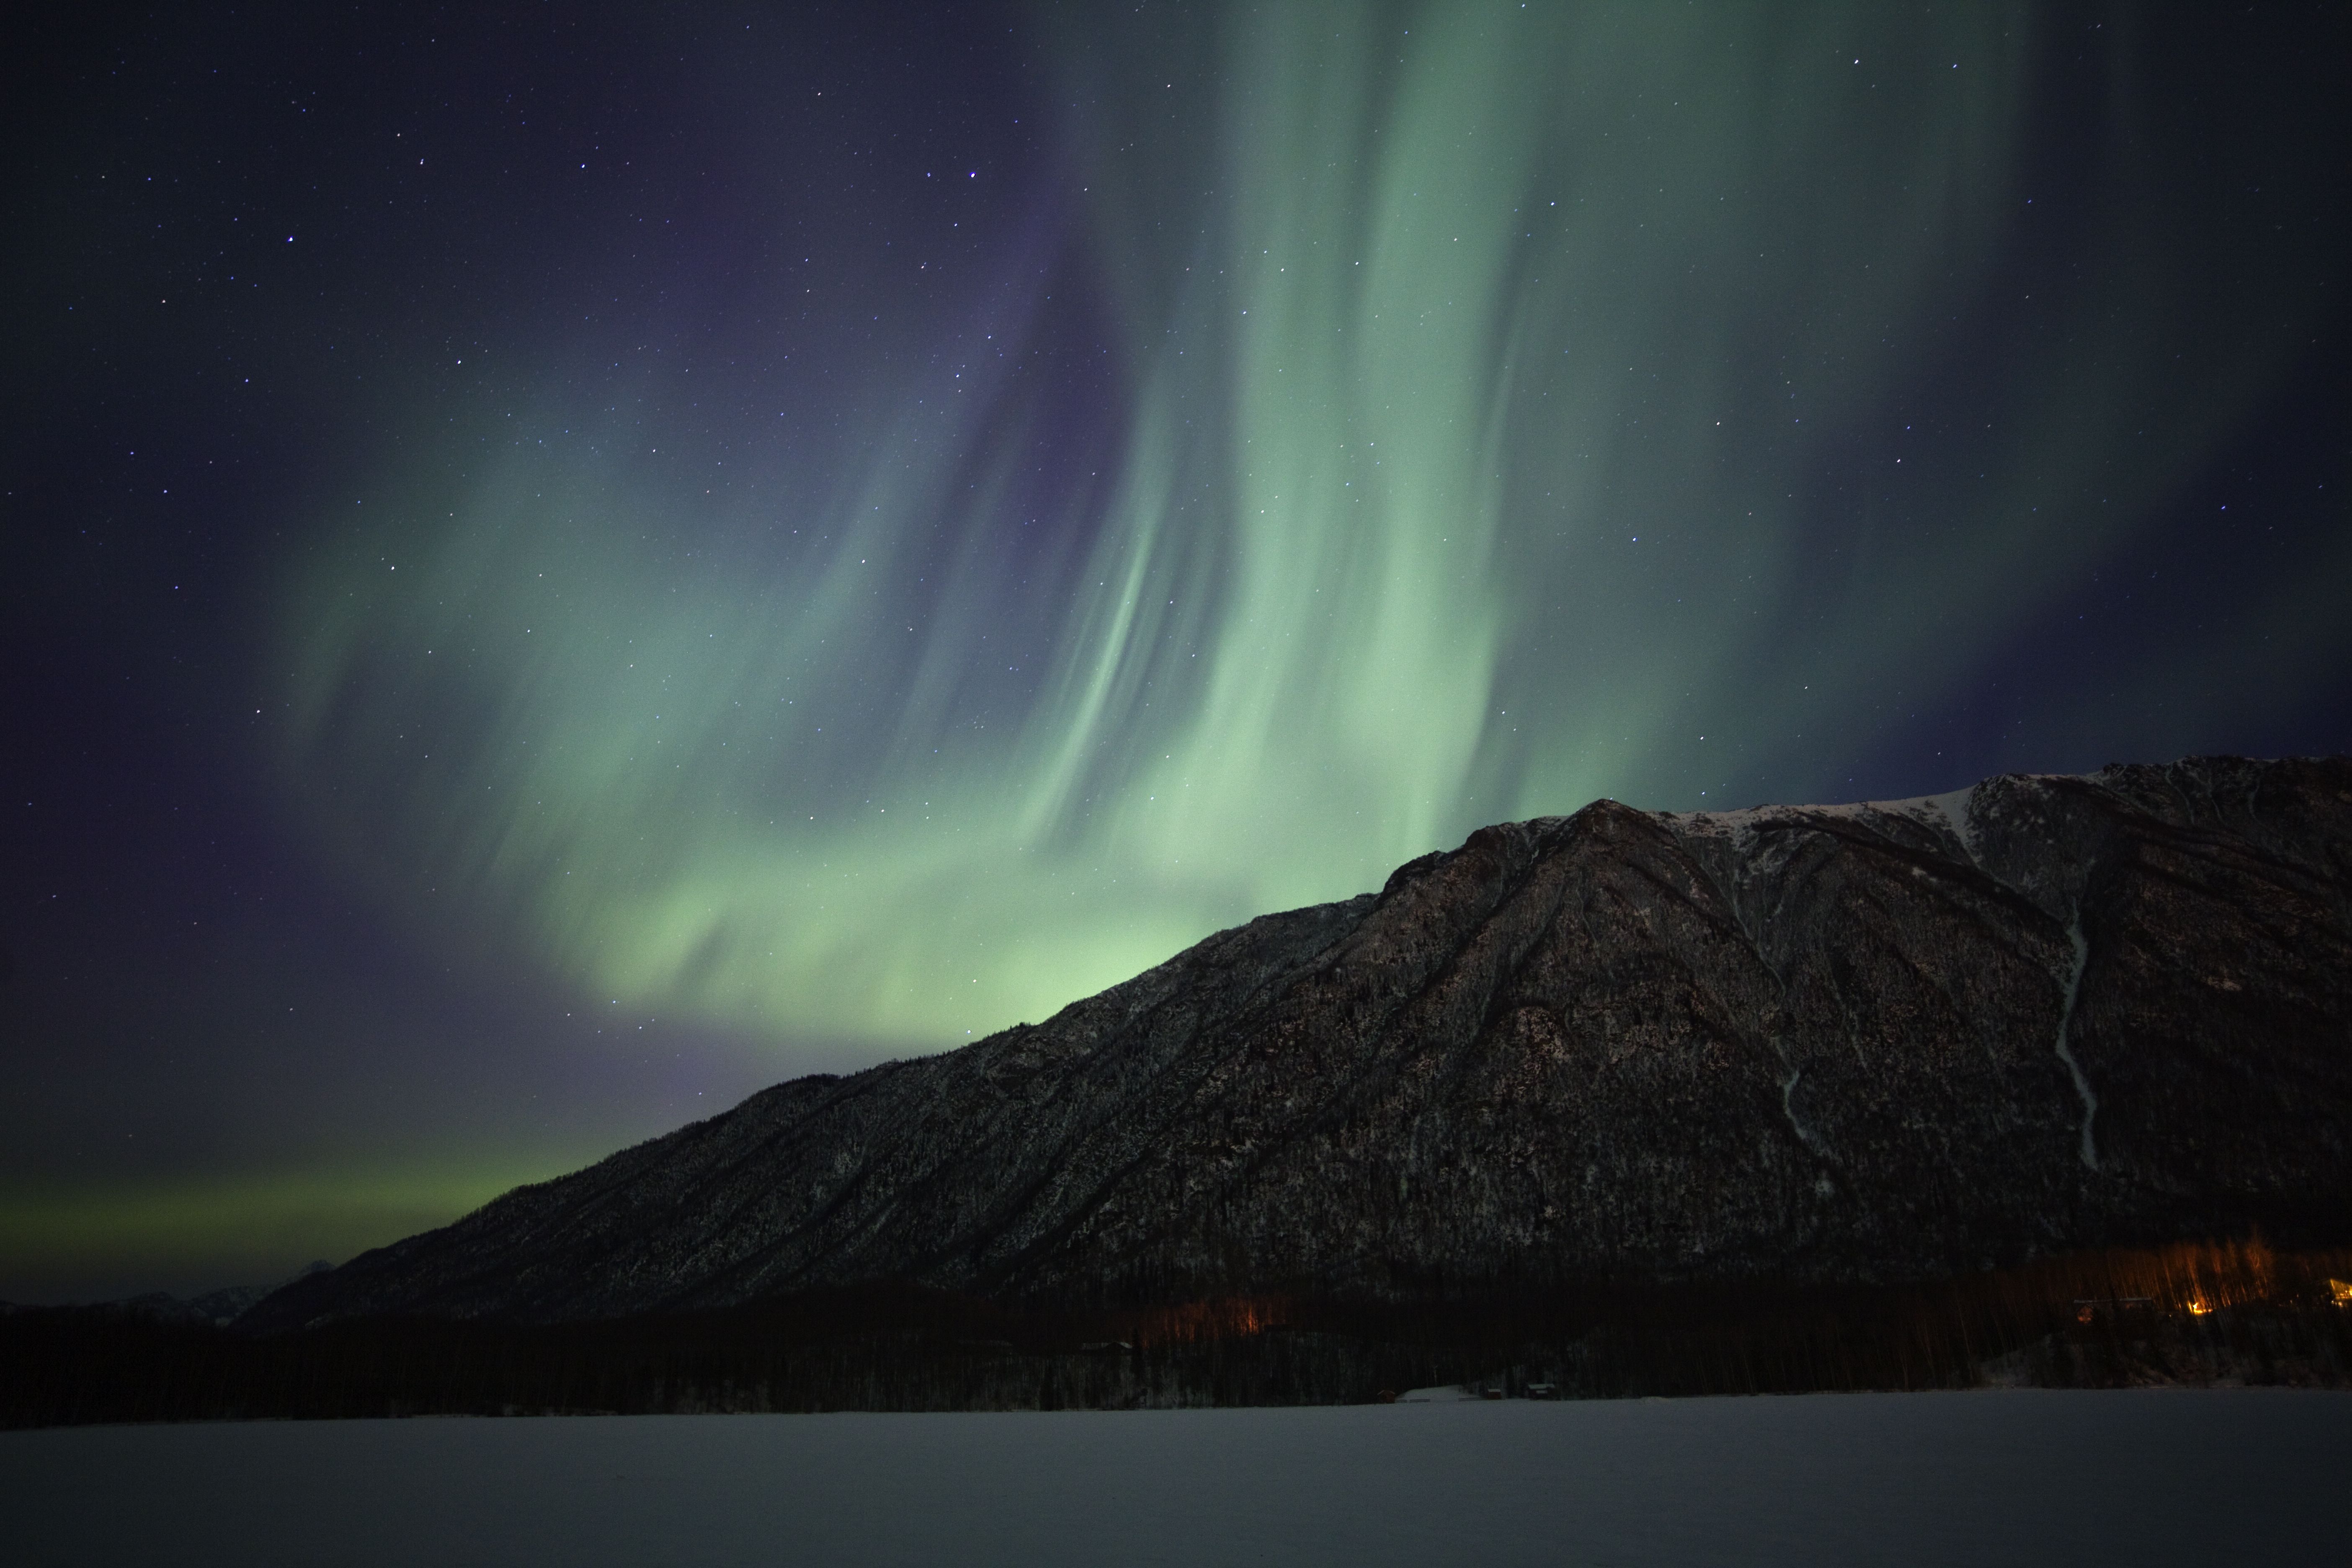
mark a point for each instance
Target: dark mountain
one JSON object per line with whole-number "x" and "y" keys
{"x": 1829, "y": 1045}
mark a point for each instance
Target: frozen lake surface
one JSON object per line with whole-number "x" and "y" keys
{"x": 2159, "y": 1477}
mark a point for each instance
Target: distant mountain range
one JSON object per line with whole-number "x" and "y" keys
{"x": 216, "y": 1308}
{"x": 1854, "y": 1043}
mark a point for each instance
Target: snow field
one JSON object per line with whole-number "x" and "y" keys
{"x": 2020, "y": 1477}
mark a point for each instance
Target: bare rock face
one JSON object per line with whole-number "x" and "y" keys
{"x": 1864, "y": 1041}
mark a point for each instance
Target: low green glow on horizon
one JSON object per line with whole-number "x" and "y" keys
{"x": 1477, "y": 378}
{"x": 234, "y": 1230}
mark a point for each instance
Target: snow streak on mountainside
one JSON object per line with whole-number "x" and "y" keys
{"x": 1861, "y": 1042}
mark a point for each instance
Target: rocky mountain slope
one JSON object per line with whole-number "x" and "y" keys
{"x": 1843, "y": 1043}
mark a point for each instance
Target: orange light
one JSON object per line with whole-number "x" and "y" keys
{"x": 2197, "y": 1307}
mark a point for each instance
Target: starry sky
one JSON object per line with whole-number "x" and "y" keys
{"x": 562, "y": 564}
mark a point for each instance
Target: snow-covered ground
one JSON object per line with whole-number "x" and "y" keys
{"x": 2170, "y": 1476}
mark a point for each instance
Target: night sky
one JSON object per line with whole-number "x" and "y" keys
{"x": 561, "y": 565}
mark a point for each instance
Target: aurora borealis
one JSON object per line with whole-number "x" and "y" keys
{"x": 566, "y": 567}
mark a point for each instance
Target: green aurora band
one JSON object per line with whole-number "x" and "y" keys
{"x": 1475, "y": 371}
